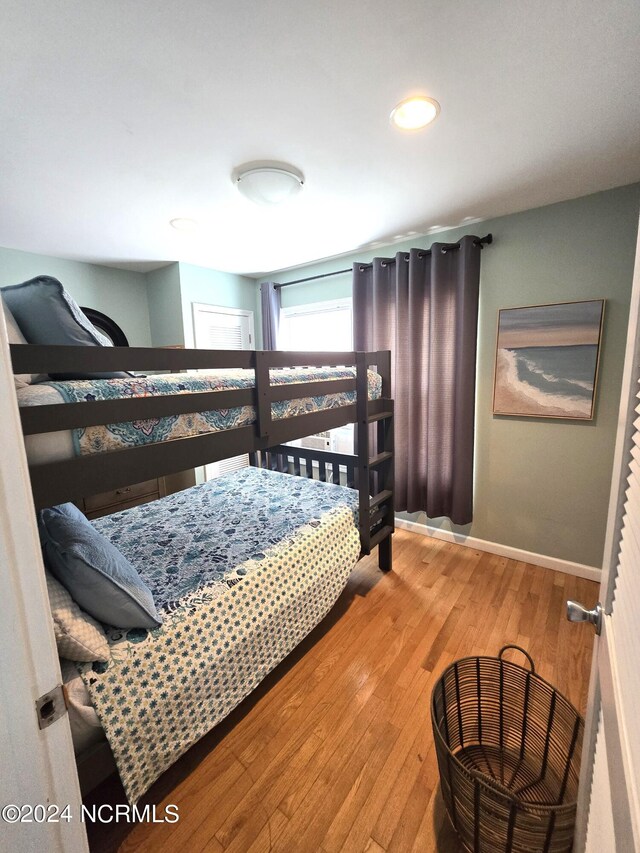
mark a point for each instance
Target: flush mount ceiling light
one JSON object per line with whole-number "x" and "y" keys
{"x": 268, "y": 183}
{"x": 415, "y": 113}
{"x": 182, "y": 224}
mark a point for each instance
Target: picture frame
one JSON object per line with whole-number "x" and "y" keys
{"x": 547, "y": 359}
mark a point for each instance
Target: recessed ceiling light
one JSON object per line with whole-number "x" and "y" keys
{"x": 268, "y": 183}
{"x": 415, "y": 113}
{"x": 182, "y": 224}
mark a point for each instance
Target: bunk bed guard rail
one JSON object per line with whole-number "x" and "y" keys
{"x": 81, "y": 476}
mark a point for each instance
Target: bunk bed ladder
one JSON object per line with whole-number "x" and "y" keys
{"x": 375, "y": 515}
{"x": 370, "y": 471}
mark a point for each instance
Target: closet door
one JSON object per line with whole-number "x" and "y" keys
{"x": 609, "y": 795}
{"x": 222, "y": 328}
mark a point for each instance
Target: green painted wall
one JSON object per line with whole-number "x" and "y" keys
{"x": 118, "y": 293}
{"x": 316, "y": 291}
{"x": 165, "y": 306}
{"x": 153, "y": 309}
{"x": 198, "y": 284}
{"x": 541, "y": 485}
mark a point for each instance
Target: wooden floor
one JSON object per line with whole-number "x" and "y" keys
{"x": 334, "y": 751}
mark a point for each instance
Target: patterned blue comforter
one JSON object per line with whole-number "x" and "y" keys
{"x": 103, "y": 438}
{"x": 199, "y": 537}
{"x": 227, "y": 623}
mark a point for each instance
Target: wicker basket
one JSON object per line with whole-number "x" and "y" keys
{"x": 509, "y": 748}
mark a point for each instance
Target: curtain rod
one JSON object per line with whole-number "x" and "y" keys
{"x": 314, "y": 277}
{"x": 487, "y": 240}
{"x": 446, "y": 247}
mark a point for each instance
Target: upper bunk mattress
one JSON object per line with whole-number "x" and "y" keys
{"x": 54, "y": 446}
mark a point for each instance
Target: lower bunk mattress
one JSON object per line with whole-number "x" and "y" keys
{"x": 242, "y": 568}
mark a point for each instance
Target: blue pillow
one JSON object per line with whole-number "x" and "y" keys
{"x": 47, "y": 314}
{"x": 98, "y": 577}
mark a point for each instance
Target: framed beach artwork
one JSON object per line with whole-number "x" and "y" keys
{"x": 547, "y": 360}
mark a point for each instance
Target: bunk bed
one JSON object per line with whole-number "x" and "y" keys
{"x": 75, "y": 478}
{"x": 260, "y": 400}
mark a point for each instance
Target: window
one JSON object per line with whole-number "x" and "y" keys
{"x": 222, "y": 328}
{"x": 320, "y": 327}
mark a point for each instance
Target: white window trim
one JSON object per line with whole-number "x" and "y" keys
{"x": 317, "y": 307}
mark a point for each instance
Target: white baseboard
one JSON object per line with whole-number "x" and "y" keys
{"x": 578, "y": 569}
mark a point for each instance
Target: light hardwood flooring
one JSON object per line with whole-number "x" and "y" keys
{"x": 334, "y": 751}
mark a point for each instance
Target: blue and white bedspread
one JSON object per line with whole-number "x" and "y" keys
{"x": 98, "y": 439}
{"x": 243, "y": 568}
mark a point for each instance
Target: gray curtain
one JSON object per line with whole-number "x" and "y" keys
{"x": 270, "y": 303}
{"x": 423, "y": 306}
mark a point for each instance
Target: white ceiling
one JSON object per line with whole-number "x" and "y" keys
{"x": 117, "y": 116}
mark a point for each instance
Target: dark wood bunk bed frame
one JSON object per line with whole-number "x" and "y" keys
{"x": 79, "y": 477}
{"x": 264, "y": 441}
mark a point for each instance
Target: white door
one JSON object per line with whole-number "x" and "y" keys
{"x": 222, "y": 328}
{"x": 609, "y": 798}
{"x": 37, "y": 766}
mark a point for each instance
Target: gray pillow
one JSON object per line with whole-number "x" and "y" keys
{"x": 15, "y": 336}
{"x": 97, "y": 576}
{"x": 47, "y": 314}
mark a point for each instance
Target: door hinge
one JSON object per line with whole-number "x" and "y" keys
{"x": 51, "y": 706}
